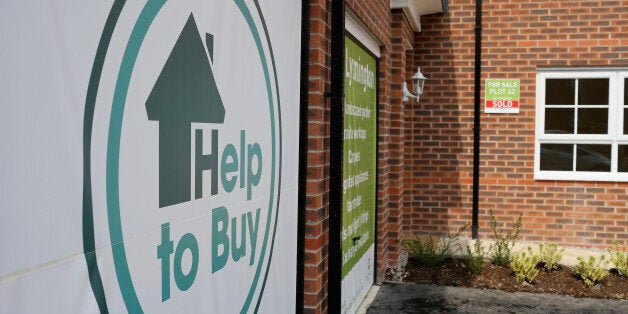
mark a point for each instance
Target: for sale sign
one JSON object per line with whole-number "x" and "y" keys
{"x": 502, "y": 96}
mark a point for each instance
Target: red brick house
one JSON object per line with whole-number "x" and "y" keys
{"x": 561, "y": 159}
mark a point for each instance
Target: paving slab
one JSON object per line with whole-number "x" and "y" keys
{"x": 416, "y": 298}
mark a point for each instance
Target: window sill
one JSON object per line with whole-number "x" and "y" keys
{"x": 580, "y": 176}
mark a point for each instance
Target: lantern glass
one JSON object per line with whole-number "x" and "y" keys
{"x": 418, "y": 80}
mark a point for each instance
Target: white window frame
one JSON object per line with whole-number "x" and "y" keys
{"x": 615, "y": 136}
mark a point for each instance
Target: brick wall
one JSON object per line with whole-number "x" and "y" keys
{"x": 402, "y": 43}
{"x": 317, "y": 186}
{"x": 425, "y": 148}
{"x": 518, "y": 38}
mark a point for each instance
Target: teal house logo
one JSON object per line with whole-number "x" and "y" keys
{"x": 185, "y": 92}
{"x": 182, "y": 160}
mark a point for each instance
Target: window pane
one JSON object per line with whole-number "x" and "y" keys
{"x": 592, "y": 157}
{"x": 560, "y": 91}
{"x": 557, "y": 157}
{"x": 593, "y": 92}
{"x": 622, "y": 158}
{"x": 559, "y": 120}
{"x": 625, "y": 117}
{"x": 592, "y": 121}
{"x": 625, "y": 120}
{"x": 626, "y": 92}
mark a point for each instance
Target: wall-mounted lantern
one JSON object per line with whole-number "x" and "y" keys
{"x": 418, "y": 81}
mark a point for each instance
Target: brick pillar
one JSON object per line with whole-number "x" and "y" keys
{"x": 401, "y": 59}
{"x": 317, "y": 182}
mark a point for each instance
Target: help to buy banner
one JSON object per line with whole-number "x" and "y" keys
{"x": 149, "y": 156}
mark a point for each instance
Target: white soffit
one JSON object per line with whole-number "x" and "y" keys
{"x": 356, "y": 28}
{"x": 415, "y": 8}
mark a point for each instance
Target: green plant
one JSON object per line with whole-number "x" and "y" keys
{"x": 425, "y": 251}
{"x": 474, "y": 259}
{"x": 500, "y": 251}
{"x": 524, "y": 265}
{"x": 591, "y": 270}
{"x": 619, "y": 257}
{"x": 550, "y": 255}
{"x": 431, "y": 253}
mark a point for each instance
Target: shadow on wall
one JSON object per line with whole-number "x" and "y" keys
{"x": 439, "y": 130}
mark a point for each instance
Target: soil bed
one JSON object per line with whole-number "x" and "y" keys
{"x": 560, "y": 281}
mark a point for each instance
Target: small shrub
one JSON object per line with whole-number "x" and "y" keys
{"x": 474, "y": 259}
{"x": 524, "y": 265}
{"x": 431, "y": 253}
{"x": 426, "y": 251}
{"x": 550, "y": 255}
{"x": 501, "y": 251}
{"x": 591, "y": 270}
{"x": 619, "y": 257}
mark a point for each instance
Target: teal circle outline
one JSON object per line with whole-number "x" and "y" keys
{"x": 140, "y": 29}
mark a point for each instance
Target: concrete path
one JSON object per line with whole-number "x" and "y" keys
{"x": 414, "y": 298}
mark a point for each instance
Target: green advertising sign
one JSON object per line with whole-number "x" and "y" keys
{"x": 359, "y": 155}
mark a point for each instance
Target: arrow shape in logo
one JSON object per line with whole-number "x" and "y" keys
{"x": 185, "y": 92}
